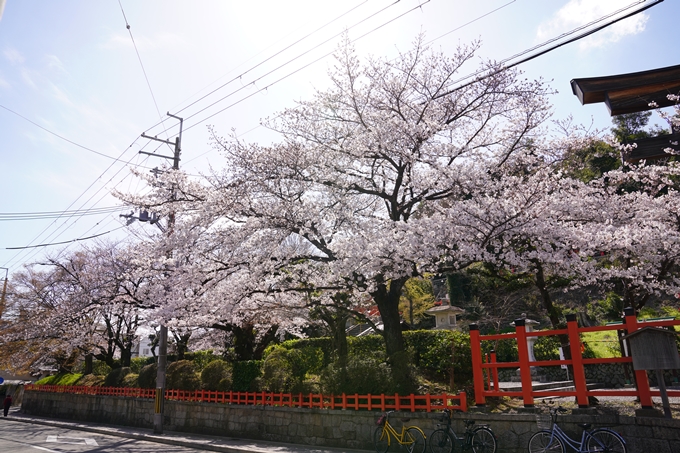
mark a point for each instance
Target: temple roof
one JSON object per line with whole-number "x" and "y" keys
{"x": 628, "y": 93}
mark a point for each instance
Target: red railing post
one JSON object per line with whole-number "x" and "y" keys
{"x": 641, "y": 381}
{"x": 524, "y": 367}
{"x": 577, "y": 361}
{"x": 477, "y": 370}
{"x": 462, "y": 398}
{"x": 494, "y": 370}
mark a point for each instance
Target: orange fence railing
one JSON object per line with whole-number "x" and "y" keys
{"x": 369, "y": 402}
{"x": 485, "y": 369}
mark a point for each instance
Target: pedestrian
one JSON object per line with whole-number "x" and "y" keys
{"x": 7, "y": 403}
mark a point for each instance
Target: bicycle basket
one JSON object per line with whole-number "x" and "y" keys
{"x": 544, "y": 421}
{"x": 381, "y": 420}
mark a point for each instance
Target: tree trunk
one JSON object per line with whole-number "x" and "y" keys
{"x": 387, "y": 298}
{"x": 125, "y": 356}
{"x": 88, "y": 364}
{"x": 388, "y": 304}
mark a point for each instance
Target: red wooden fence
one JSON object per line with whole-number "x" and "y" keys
{"x": 369, "y": 402}
{"x": 485, "y": 375}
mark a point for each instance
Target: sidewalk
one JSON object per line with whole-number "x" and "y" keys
{"x": 197, "y": 441}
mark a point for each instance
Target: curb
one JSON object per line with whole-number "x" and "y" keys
{"x": 136, "y": 436}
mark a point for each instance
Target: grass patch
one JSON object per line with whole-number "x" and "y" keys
{"x": 61, "y": 379}
{"x": 604, "y": 344}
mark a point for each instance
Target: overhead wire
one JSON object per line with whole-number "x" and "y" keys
{"x": 326, "y": 41}
{"x": 429, "y": 42}
{"x": 274, "y": 56}
{"x": 291, "y": 73}
{"x": 7, "y": 216}
{"x": 551, "y": 48}
{"x": 60, "y": 136}
{"x": 139, "y": 57}
{"x": 63, "y": 242}
{"x": 118, "y": 159}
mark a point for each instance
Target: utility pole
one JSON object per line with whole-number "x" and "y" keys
{"x": 163, "y": 341}
{"x": 4, "y": 292}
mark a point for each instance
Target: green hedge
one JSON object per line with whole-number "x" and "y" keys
{"x": 182, "y": 375}
{"x": 430, "y": 351}
{"x": 245, "y": 375}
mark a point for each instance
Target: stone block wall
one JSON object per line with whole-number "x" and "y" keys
{"x": 333, "y": 428}
{"x": 612, "y": 375}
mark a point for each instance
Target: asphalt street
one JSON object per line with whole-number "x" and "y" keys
{"x": 18, "y": 437}
{"x": 20, "y": 433}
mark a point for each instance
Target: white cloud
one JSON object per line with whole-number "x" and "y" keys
{"x": 4, "y": 84}
{"x": 28, "y": 77}
{"x": 580, "y": 12}
{"x": 55, "y": 64}
{"x": 13, "y": 56}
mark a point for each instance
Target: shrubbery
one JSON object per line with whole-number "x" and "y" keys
{"x": 130, "y": 380}
{"x": 116, "y": 376}
{"x": 216, "y": 376}
{"x": 147, "y": 376}
{"x": 201, "y": 359}
{"x": 246, "y": 375}
{"x": 181, "y": 375}
{"x": 362, "y": 375}
{"x": 307, "y": 366}
{"x": 138, "y": 363}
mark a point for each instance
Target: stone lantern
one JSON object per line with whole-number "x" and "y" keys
{"x": 445, "y": 316}
{"x": 529, "y": 325}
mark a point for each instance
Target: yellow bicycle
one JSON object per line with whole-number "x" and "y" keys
{"x": 411, "y": 438}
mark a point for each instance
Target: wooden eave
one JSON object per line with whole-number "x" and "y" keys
{"x": 628, "y": 93}
{"x": 652, "y": 148}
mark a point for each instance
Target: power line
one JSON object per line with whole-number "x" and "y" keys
{"x": 61, "y": 137}
{"x": 278, "y": 53}
{"x": 6, "y": 216}
{"x": 148, "y": 84}
{"x": 294, "y": 72}
{"x": 471, "y": 22}
{"x": 554, "y": 47}
{"x": 16, "y": 256}
{"x": 293, "y": 60}
{"x": 429, "y": 42}
{"x": 63, "y": 242}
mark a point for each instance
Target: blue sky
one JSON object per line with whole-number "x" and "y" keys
{"x": 71, "y": 67}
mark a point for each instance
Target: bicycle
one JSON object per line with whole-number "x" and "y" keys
{"x": 410, "y": 437}
{"x": 554, "y": 439}
{"x": 479, "y": 439}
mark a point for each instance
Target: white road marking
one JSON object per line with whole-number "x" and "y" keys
{"x": 72, "y": 440}
{"x": 45, "y": 449}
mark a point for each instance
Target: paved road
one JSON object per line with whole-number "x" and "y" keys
{"x": 18, "y": 437}
{"x": 28, "y": 434}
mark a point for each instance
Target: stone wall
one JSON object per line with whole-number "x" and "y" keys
{"x": 612, "y": 375}
{"x": 333, "y": 428}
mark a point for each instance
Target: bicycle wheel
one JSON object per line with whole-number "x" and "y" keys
{"x": 440, "y": 442}
{"x": 604, "y": 440}
{"x": 541, "y": 443}
{"x": 381, "y": 439}
{"x": 483, "y": 441}
{"x": 414, "y": 440}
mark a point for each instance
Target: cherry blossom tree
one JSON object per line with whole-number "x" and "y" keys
{"x": 87, "y": 301}
{"x": 356, "y": 173}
